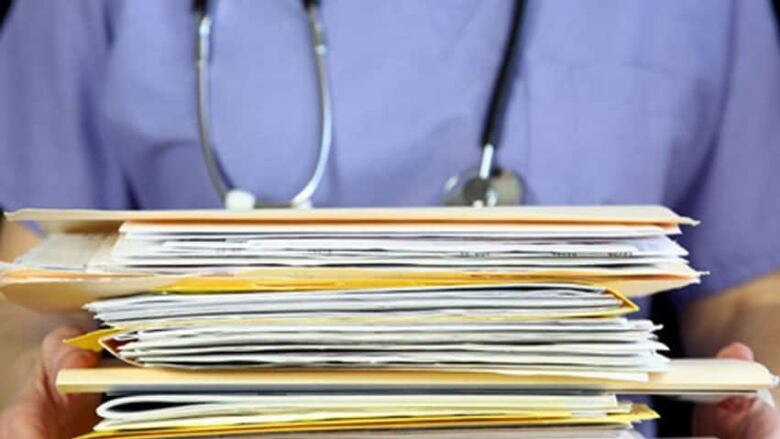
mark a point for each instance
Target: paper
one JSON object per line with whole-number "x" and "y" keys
{"x": 170, "y": 244}
{"x": 177, "y": 405}
{"x": 638, "y": 413}
{"x": 383, "y": 329}
{"x": 160, "y": 246}
{"x": 527, "y": 300}
{"x": 219, "y": 409}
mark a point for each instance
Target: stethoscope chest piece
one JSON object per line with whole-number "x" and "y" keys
{"x": 503, "y": 188}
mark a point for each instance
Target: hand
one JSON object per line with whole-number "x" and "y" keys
{"x": 40, "y": 412}
{"x": 738, "y": 417}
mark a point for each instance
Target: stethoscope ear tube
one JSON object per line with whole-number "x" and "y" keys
{"x": 202, "y": 57}
{"x": 303, "y": 198}
{"x": 490, "y": 186}
{"x": 237, "y": 198}
{"x": 502, "y": 88}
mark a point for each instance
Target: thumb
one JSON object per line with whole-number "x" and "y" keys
{"x": 55, "y": 356}
{"x": 75, "y": 413}
{"x": 747, "y": 418}
{"x": 736, "y": 351}
{"x": 744, "y": 416}
{"x": 42, "y": 412}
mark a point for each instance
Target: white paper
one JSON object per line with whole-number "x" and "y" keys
{"x": 127, "y": 407}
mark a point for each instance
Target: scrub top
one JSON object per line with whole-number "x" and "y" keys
{"x": 673, "y": 102}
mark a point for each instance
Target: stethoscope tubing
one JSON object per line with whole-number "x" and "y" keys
{"x": 202, "y": 60}
{"x": 502, "y": 89}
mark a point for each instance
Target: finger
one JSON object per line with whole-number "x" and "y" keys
{"x": 79, "y": 413}
{"x": 79, "y": 409}
{"x": 703, "y": 420}
{"x": 747, "y": 418}
{"x": 40, "y": 408}
{"x": 70, "y": 359}
{"x": 37, "y": 389}
{"x": 54, "y": 338}
{"x": 727, "y": 418}
{"x": 76, "y": 412}
{"x": 53, "y": 349}
{"x": 737, "y": 351}
{"x": 61, "y": 356}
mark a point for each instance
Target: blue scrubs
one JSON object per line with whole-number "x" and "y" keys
{"x": 674, "y": 102}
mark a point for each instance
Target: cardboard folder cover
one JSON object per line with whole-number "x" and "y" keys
{"x": 684, "y": 376}
{"x": 91, "y": 220}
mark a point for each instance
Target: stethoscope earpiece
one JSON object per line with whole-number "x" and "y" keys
{"x": 238, "y": 199}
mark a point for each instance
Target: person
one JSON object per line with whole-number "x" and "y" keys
{"x": 672, "y": 102}
{"x": 39, "y": 412}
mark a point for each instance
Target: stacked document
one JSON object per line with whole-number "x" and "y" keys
{"x": 175, "y": 247}
{"x": 448, "y": 321}
{"x": 557, "y": 328}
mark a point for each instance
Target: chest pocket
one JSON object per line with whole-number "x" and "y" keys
{"x": 601, "y": 133}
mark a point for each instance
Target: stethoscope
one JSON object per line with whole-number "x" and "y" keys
{"x": 485, "y": 185}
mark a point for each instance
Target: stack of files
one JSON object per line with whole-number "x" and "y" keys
{"x": 93, "y": 255}
{"x": 557, "y": 328}
{"x": 485, "y": 321}
{"x": 183, "y": 247}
